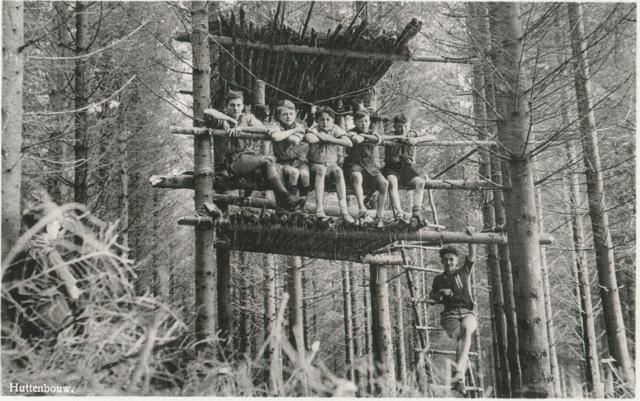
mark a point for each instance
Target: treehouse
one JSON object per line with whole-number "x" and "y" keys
{"x": 270, "y": 62}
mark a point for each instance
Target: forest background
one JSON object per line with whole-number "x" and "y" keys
{"x": 99, "y": 150}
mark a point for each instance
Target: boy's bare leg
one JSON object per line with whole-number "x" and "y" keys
{"x": 320, "y": 172}
{"x": 383, "y": 187}
{"x": 303, "y": 179}
{"x": 418, "y": 194}
{"x": 341, "y": 189}
{"x": 467, "y": 326}
{"x": 394, "y": 194}
{"x": 291, "y": 175}
{"x": 356, "y": 178}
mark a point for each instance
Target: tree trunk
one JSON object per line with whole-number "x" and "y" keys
{"x": 123, "y": 196}
{"x": 511, "y": 377}
{"x": 348, "y": 328}
{"x": 616, "y": 332}
{"x": 400, "y": 350}
{"x": 553, "y": 356}
{"x": 296, "y": 329}
{"x": 488, "y": 213}
{"x": 355, "y": 318}
{"x": 81, "y": 149}
{"x": 385, "y": 383}
{"x": 272, "y": 354}
{"x": 245, "y": 305}
{"x": 519, "y": 197}
{"x": 224, "y": 290}
{"x": 59, "y": 100}
{"x": 203, "y": 166}
{"x": 12, "y": 78}
{"x": 592, "y": 362}
{"x": 367, "y": 332}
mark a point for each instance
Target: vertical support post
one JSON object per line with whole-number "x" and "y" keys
{"x": 296, "y": 330}
{"x": 400, "y": 349}
{"x": 203, "y": 178}
{"x": 348, "y": 328}
{"x": 385, "y": 383}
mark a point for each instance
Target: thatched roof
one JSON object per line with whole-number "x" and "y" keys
{"x": 311, "y": 78}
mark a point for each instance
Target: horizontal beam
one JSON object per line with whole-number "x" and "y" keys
{"x": 259, "y": 133}
{"x": 185, "y": 181}
{"x": 439, "y": 237}
{"x": 382, "y": 259}
{"x": 322, "y": 51}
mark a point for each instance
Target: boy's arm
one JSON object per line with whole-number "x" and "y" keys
{"x": 278, "y": 136}
{"x": 471, "y": 256}
{"x": 436, "y": 292}
{"x": 419, "y": 139}
{"x": 342, "y": 139}
{"x": 218, "y": 115}
{"x": 372, "y": 138}
{"x": 310, "y": 135}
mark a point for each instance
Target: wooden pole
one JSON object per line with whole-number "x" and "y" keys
{"x": 400, "y": 349}
{"x": 322, "y": 51}
{"x": 186, "y": 181}
{"x": 443, "y": 237}
{"x": 385, "y": 383}
{"x": 203, "y": 181}
{"x": 348, "y": 323}
{"x": 260, "y": 133}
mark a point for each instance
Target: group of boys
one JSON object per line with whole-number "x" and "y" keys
{"x": 302, "y": 154}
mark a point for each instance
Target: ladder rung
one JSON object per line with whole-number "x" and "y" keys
{"x": 443, "y": 352}
{"x": 468, "y": 388}
{"x": 429, "y": 328}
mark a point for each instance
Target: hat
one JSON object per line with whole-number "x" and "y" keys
{"x": 448, "y": 249}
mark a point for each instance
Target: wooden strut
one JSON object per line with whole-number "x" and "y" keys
{"x": 322, "y": 51}
{"x": 441, "y": 237}
{"x": 260, "y": 133}
{"x": 185, "y": 181}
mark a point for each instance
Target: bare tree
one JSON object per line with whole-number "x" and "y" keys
{"x": 12, "y": 77}
{"x": 616, "y": 332}
{"x": 520, "y": 204}
{"x": 203, "y": 162}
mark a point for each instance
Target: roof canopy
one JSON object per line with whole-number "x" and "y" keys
{"x": 284, "y": 58}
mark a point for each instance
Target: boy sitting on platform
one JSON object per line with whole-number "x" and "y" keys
{"x": 291, "y": 155}
{"x": 235, "y": 155}
{"x": 361, "y": 166}
{"x": 324, "y": 139}
{"x": 398, "y": 167}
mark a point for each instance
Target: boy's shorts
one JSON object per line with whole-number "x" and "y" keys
{"x": 298, "y": 164}
{"x": 450, "y": 318}
{"x": 369, "y": 178}
{"x": 331, "y": 167}
{"x": 403, "y": 171}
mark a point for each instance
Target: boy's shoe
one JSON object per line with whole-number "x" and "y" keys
{"x": 378, "y": 223}
{"x": 416, "y": 222}
{"x": 348, "y": 219}
{"x": 458, "y": 386}
{"x": 293, "y": 203}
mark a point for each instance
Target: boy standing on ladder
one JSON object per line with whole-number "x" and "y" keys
{"x": 398, "y": 168}
{"x": 361, "y": 166}
{"x": 458, "y": 319}
{"x": 324, "y": 139}
{"x": 291, "y": 155}
{"x": 234, "y": 154}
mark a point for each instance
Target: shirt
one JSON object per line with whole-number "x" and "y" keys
{"x": 362, "y": 154}
{"x": 323, "y": 152}
{"x": 404, "y": 153}
{"x": 287, "y": 151}
{"x": 228, "y": 147}
{"x": 460, "y": 283}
